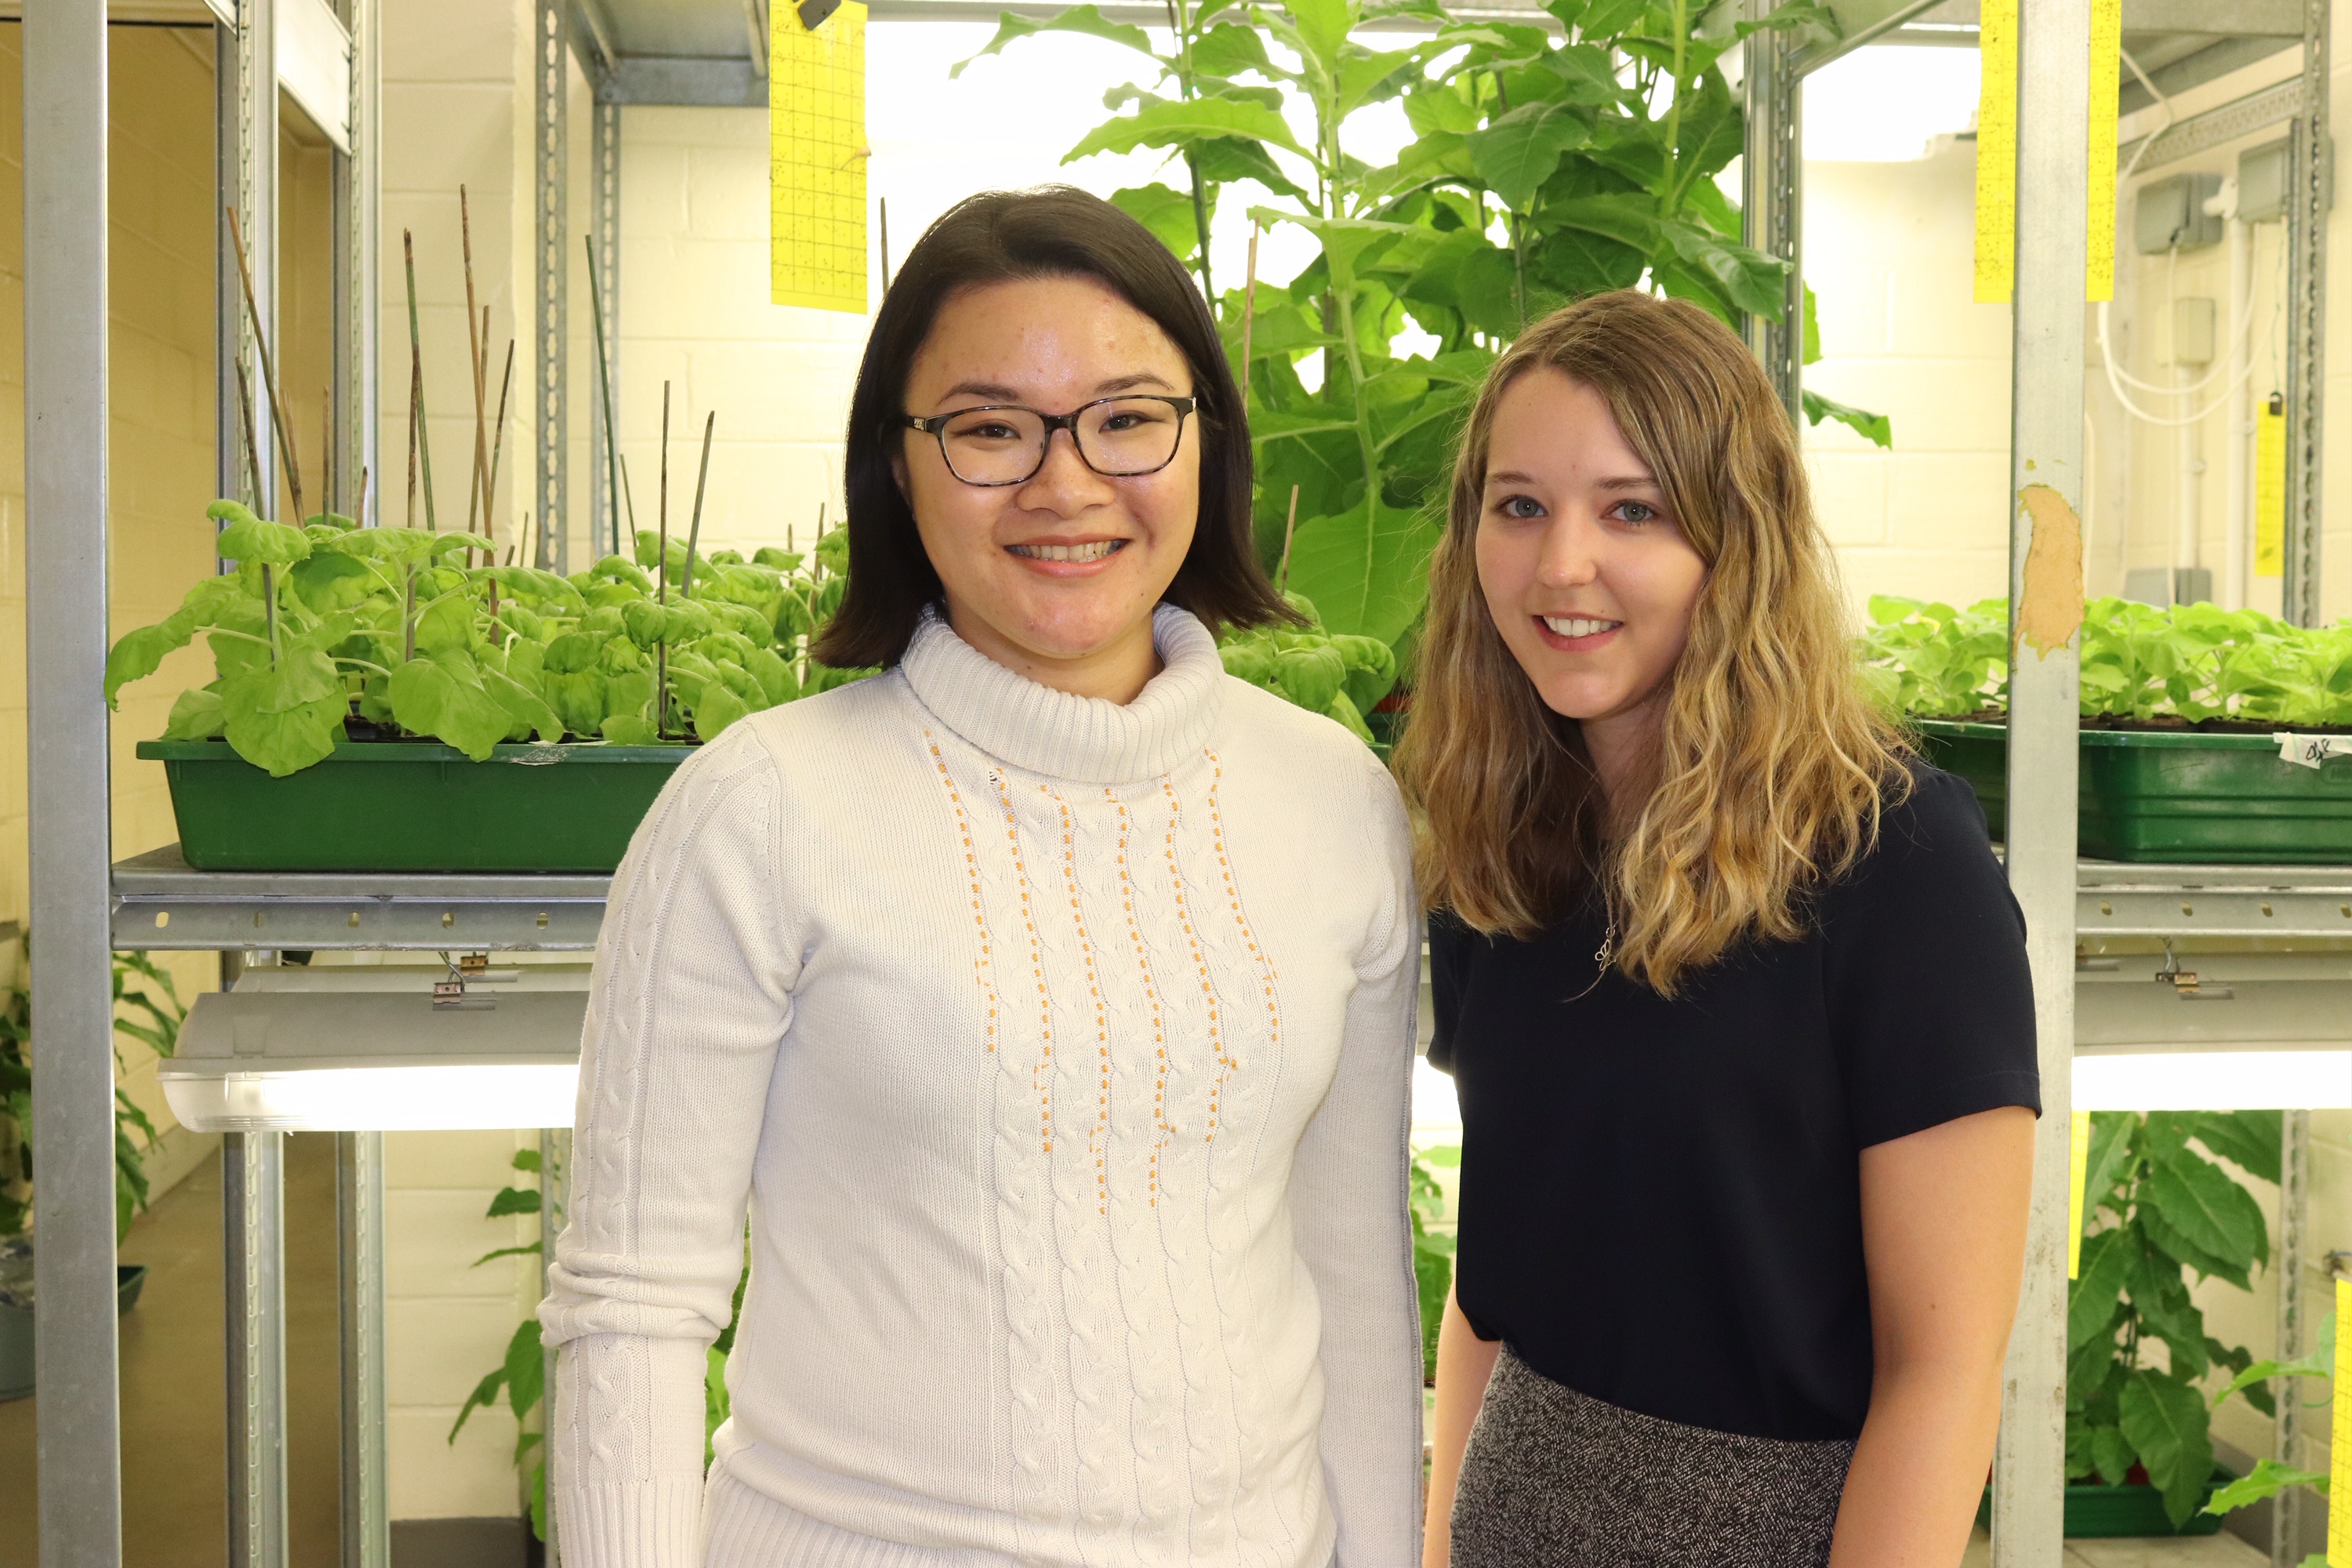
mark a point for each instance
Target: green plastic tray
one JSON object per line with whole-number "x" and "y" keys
{"x": 2174, "y": 796}
{"x": 414, "y": 805}
{"x": 2094, "y": 1510}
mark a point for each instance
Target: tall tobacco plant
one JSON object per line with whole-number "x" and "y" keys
{"x": 1544, "y": 168}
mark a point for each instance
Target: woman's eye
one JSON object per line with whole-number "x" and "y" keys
{"x": 1521, "y": 507}
{"x": 1633, "y": 511}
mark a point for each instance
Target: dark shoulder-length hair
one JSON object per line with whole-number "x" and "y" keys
{"x": 1001, "y": 236}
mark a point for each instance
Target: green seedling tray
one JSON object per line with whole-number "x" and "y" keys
{"x": 414, "y": 805}
{"x": 2174, "y": 796}
{"x": 2094, "y": 1510}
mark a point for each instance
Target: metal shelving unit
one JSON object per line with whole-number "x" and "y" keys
{"x": 2056, "y": 98}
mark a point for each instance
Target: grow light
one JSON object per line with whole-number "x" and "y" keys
{"x": 356, "y": 1049}
{"x": 2223, "y": 1044}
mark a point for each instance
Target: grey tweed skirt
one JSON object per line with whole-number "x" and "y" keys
{"x": 1555, "y": 1479}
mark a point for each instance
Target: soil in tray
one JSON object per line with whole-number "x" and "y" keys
{"x": 2125, "y": 724}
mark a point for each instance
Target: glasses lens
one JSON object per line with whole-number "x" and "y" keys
{"x": 1128, "y": 434}
{"x": 993, "y": 445}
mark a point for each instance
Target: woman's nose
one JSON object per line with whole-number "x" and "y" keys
{"x": 1063, "y": 483}
{"x": 1567, "y": 559}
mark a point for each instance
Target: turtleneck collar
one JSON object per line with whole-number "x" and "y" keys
{"x": 1086, "y": 739}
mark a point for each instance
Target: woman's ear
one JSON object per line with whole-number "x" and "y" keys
{"x": 898, "y": 472}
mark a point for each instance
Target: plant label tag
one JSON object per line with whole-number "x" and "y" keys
{"x": 2310, "y": 751}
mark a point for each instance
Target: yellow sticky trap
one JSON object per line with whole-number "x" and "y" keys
{"x": 1997, "y": 151}
{"x": 817, "y": 159}
{"x": 2080, "y": 1163}
{"x": 2339, "y": 1436}
{"x": 2270, "y": 489}
{"x": 2106, "y": 59}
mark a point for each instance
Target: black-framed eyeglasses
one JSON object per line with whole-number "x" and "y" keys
{"x": 1118, "y": 437}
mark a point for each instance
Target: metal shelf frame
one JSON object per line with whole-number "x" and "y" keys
{"x": 2054, "y": 101}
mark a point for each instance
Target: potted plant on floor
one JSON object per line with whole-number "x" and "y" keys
{"x": 137, "y": 984}
{"x": 2139, "y": 1456}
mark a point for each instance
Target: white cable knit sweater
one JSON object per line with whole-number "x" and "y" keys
{"x": 1061, "y": 1051}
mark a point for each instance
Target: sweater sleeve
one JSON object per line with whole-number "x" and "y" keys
{"x": 1348, "y": 1199}
{"x": 690, "y": 999}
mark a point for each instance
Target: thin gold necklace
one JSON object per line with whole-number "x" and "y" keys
{"x": 1601, "y": 957}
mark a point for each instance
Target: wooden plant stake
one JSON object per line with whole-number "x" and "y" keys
{"x": 327, "y": 451}
{"x": 477, "y": 342}
{"x": 1249, "y": 317}
{"x": 245, "y": 429}
{"x": 417, "y": 381}
{"x": 694, "y": 529}
{"x": 661, "y": 580}
{"x": 498, "y": 444}
{"x": 287, "y": 457}
{"x": 605, "y": 376}
{"x": 358, "y": 512}
{"x": 630, "y": 498}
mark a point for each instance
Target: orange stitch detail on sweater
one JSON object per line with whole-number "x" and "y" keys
{"x": 1040, "y": 1076}
{"x": 1099, "y": 1135}
{"x": 980, "y": 966}
{"x": 1151, "y": 992}
{"x": 1226, "y": 1064}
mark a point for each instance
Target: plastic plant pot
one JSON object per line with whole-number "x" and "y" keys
{"x": 414, "y": 805}
{"x": 2096, "y": 1510}
{"x": 2174, "y": 796}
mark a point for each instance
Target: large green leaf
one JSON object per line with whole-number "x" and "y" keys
{"x": 522, "y": 704}
{"x": 2111, "y": 1153}
{"x": 1222, "y": 160}
{"x": 195, "y": 716}
{"x": 1875, "y": 427}
{"x": 246, "y": 537}
{"x": 1167, "y": 213}
{"x": 1077, "y": 19}
{"x": 1323, "y": 26}
{"x": 1367, "y": 570}
{"x": 140, "y": 653}
{"x": 2250, "y": 1139}
{"x": 2091, "y": 1297}
{"x": 444, "y": 698}
{"x": 1518, "y": 152}
{"x": 1177, "y": 124}
{"x": 2165, "y": 1421}
{"x": 2197, "y": 1199}
{"x": 2112, "y": 1455}
{"x": 2267, "y": 1479}
{"x": 286, "y": 716}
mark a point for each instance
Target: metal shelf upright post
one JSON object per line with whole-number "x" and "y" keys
{"x": 79, "y": 1439}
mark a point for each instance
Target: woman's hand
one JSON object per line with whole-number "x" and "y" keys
{"x": 1464, "y": 1363}
{"x": 1943, "y": 1233}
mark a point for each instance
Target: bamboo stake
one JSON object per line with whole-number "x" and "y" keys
{"x": 612, "y": 429}
{"x": 327, "y": 451}
{"x": 1249, "y": 317}
{"x": 661, "y": 579}
{"x": 245, "y": 429}
{"x": 359, "y": 513}
{"x": 499, "y": 441}
{"x": 476, "y": 357}
{"x": 417, "y": 381}
{"x": 631, "y": 499}
{"x": 693, "y": 530}
{"x": 286, "y": 456}
{"x": 1289, "y": 528}
{"x": 412, "y": 443}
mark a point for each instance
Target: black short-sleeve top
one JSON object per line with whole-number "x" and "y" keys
{"x": 1661, "y": 1201}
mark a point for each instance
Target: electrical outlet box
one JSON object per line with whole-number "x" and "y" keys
{"x": 2192, "y": 331}
{"x": 2262, "y": 177}
{"x": 2170, "y": 213}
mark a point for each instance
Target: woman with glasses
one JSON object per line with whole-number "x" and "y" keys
{"x": 1048, "y": 998}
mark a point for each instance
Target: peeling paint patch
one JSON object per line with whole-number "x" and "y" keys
{"x": 2050, "y": 610}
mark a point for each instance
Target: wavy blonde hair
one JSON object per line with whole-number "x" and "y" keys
{"x": 1771, "y": 767}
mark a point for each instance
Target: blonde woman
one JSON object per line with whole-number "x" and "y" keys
{"x": 1732, "y": 988}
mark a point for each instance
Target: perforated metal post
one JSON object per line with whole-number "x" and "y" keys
{"x": 549, "y": 50}
{"x": 357, "y": 184}
{"x": 2286, "y": 1267}
{"x": 1772, "y": 199}
{"x": 79, "y": 1426}
{"x": 605, "y": 233}
{"x": 2306, "y": 321}
{"x": 2046, "y": 586}
{"x": 253, "y": 1225}
{"x": 359, "y": 1209}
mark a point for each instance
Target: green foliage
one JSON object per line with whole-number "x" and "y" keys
{"x": 1432, "y": 1253}
{"x": 2190, "y": 662}
{"x": 2163, "y": 1208}
{"x": 1340, "y": 677}
{"x": 1543, "y": 169}
{"x": 522, "y": 1373}
{"x": 148, "y": 1009}
{"x": 322, "y": 621}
